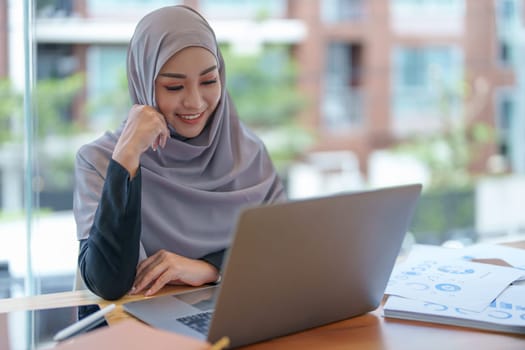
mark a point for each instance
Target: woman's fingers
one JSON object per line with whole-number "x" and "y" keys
{"x": 155, "y": 144}
{"x": 148, "y": 278}
{"x": 160, "y": 140}
{"x": 149, "y": 269}
{"x": 164, "y": 137}
{"x": 163, "y": 133}
{"x": 160, "y": 282}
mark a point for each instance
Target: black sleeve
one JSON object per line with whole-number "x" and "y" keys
{"x": 108, "y": 258}
{"x": 215, "y": 259}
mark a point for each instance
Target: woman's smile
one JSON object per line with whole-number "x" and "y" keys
{"x": 190, "y": 118}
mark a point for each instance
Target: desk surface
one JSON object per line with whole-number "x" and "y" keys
{"x": 370, "y": 331}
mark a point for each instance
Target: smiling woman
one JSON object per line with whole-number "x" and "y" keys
{"x": 156, "y": 201}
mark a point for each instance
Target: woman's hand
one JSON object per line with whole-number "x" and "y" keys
{"x": 165, "y": 267}
{"x": 145, "y": 127}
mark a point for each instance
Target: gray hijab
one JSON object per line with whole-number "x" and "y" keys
{"x": 193, "y": 189}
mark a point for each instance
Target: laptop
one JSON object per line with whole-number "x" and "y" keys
{"x": 294, "y": 266}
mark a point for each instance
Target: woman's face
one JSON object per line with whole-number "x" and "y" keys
{"x": 187, "y": 90}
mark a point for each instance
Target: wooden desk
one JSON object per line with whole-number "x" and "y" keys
{"x": 370, "y": 331}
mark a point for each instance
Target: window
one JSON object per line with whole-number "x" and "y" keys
{"x": 427, "y": 17}
{"x": 55, "y": 61}
{"x": 342, "y": 105}
{"x": 342, "y": 10}
{"x": 106, "y": 86}
{"x": 506, "y": 10}
{"x": 505, "y": 114}
{"x": 426, "y": 85}
{"x": 507, "y": 21}
{"x": 54, "y": 8}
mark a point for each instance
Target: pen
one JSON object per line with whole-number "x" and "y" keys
{"x": 84, "y": 324}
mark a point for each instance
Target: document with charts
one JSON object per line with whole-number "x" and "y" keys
{"x": 505, "y": 314}
{"x": 439, "y": 275}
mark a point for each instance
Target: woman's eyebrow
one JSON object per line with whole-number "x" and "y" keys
{"x": 209, "y": 69}
{"x": 183, "y": 76}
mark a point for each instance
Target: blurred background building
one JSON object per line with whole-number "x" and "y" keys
{"x": 347, "y": 94}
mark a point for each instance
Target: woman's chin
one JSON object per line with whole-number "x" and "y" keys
{"x": 188, "y": 131}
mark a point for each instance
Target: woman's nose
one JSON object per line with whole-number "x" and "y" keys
{"x": 192, "y": 98}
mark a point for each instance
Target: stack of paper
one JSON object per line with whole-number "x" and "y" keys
{"x": 444, "y": 286}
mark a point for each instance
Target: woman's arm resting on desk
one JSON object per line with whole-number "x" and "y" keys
{"x": 108, "y": 258}
{"x": 165, "y": 267}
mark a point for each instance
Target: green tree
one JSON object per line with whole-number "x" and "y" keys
{"x": 52, "y": 119}
{"x": 54, "y": 99}
{"x": 10, "y": 109}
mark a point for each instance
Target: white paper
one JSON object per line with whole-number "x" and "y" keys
{"x": 506, "y": 313}
{"x": 513, "y": 256}
{"x": 440, "y": 275}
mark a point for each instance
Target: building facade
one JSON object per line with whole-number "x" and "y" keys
{"x": 374, "y": 72}
{"x": 380, "y": 71}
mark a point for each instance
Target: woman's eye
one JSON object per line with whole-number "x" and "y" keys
{"x": 174, "y": 88}
{"x": 208, "y": 82}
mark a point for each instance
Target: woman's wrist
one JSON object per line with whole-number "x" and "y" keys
{"x": 128, "y": 160}
{"x": 216, "y": 275}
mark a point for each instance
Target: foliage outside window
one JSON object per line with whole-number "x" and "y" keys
{"x": 446, "y": 209}
{"x": 53, "y": 124}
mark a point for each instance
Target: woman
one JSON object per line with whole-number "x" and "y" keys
{"x": 157, "y": 200}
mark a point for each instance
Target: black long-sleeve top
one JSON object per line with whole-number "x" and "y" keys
{"x": 108, "y": 257}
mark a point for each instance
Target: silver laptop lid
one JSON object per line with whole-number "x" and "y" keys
{"x": 302, "y": 264}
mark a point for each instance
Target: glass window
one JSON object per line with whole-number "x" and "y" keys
{"x": 506, "y": 10}
{"x": 507, "y": 20}
{"x": 342, "y": 10}
{"x": 108, "y": 99}
{"x": 427, "y": 83}
{"x": 55, "y": 61}
{"x": 427, "y": 17}
{"x": 505, "y": 52}
{"x": 48, "y": 96}
{"x": 505, "y": 109}
{"x": 342, "y": 105}
{"x": 54, "y": 8}
{"x": 428, "y": 6}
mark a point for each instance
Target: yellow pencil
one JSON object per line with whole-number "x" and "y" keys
{"x": 221, "y": 344}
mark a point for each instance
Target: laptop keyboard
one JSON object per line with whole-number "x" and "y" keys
{"x": 199, "y": 322}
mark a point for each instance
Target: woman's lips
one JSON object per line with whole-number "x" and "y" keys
{"x": 190, "y": 118}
